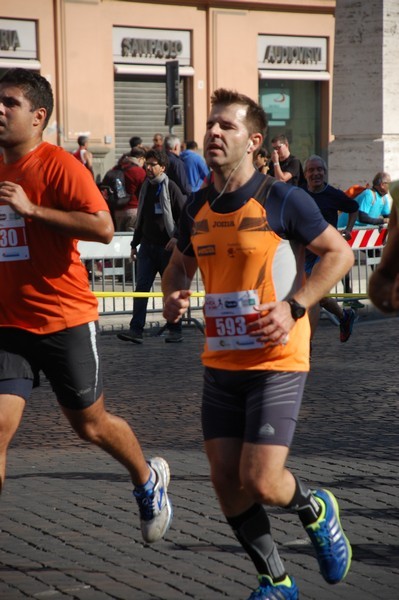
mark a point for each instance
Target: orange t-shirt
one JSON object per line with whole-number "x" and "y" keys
{"x": 44, "y": 285}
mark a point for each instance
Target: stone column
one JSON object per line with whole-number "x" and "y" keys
{"x": 365, "y": 105}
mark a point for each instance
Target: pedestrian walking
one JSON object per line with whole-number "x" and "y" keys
{"x": 82, "y": 154}
{"x": 155, "y": 236}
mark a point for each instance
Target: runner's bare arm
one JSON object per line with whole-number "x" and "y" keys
{"x": 176, "y": 282}
{"x": 92, "y": 227}
{"x": 336, "y": 258}
{"x": 384, "y": 281}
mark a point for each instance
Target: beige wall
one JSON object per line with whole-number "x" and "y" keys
{"x": 41, "y": 10}
{"x": 224, "y": 53}
{"x": 233, "y": 48}
{"x": 366, "y": 87}
{"x": 87, "y": 80}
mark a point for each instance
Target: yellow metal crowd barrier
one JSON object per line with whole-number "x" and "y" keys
{"x": 112, "y": 275}
{"x": 194, "y": 295}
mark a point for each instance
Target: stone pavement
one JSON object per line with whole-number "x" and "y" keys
{"x": 69, "y": 527}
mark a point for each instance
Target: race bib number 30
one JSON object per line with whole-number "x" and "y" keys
{"x": 227, "y": 317}
{"x": 13, "y": 243}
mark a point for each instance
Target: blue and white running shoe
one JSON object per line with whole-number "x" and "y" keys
{"x": 334, "y": 551}
{"x": 154, "y": 505}
{"x": 267, "y": 590}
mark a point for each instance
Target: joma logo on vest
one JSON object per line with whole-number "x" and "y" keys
{"x": 223, "y": 224}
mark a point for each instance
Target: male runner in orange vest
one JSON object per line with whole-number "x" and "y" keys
{"x": 247, "y": 233}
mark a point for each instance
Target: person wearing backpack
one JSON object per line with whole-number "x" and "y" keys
{"x": 374, "y": 204}
{"x": 133, "y": 169}
{"x": 384, "y": 282}
{"x": 120, "y": 188}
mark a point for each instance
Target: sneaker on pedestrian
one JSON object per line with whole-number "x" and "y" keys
{"x": 267, "y": 590}
{"x": 154, "y": 504}
{"x": 131, "y": 336}
{"x": 346, "y": 324}
{"x": 333, "y": 549}
{"x": 353, "y": 303}
{"x": 173, "y": 337}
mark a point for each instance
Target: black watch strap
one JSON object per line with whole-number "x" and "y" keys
{"x": 297, "y": 310}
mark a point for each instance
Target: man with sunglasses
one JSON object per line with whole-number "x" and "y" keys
{"x": 284, "y": 166}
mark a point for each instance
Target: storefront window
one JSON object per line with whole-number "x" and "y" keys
{"x": 293, "y": 108}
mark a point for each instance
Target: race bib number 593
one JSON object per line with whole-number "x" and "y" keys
{"x": 227, "y": 317}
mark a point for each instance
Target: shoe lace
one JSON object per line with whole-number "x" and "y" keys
{"x": 145, "y": 501}
{"x": 323, "y": 540}
{"x": 259, "y": 593}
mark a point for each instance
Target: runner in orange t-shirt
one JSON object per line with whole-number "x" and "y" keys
{"x": 48, "y": 315}
{"x": 247, "y": 233}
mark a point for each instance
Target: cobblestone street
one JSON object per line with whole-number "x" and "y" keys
{"x": 70, "y": 528}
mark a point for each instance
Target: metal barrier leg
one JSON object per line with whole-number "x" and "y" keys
{"x": 161, "y": 330}
{"x": 189, "y": 320}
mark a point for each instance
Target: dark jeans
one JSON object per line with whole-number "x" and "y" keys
{"x": 151, "y": 259}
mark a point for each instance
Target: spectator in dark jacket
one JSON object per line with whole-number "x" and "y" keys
{"x": 160, "y": 206}
{"x": 175, "y": 170}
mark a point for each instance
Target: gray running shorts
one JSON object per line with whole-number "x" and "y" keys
{"x": 69, "y": 359}
{"x": 259, "y": 407}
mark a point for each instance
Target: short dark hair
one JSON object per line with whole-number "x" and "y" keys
{"x": 35, "y": 88}
{"x": 191, "y": 145}
{"x": 82, "y": 140}
{"x": 262, "y": 152}
{"x": 379, "y": 177}
{"x": 137, "y": 152}
{"x": 256, "y": 120}
{"x": 135, "y": 141}
{"x": 159, "y": 155}
{"x": 280, "y": 138}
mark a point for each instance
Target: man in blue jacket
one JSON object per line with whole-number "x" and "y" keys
{"x": 195, "y": 165}
{"x": 175, "y": 169}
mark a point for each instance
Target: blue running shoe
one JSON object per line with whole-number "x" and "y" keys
{"x": 267, "y": 590}
{"x": 333, "y": 549}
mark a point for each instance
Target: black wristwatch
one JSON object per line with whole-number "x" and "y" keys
{"x": 297, "y": 310}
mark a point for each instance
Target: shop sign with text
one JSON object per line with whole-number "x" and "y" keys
{"x": 292, "y": 53}
{"x": 18, "y": 39}
{"x": 139, "y": 46}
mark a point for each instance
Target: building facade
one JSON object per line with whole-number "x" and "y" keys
{"x": 365, "y": 124}
{"x": 106, "y": 61}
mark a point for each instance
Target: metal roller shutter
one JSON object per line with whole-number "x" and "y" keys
{"x": 140, "y": 106}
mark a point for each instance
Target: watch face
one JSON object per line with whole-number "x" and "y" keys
{"x": 300, "y": 311}
{"x": 297, "y": 310}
